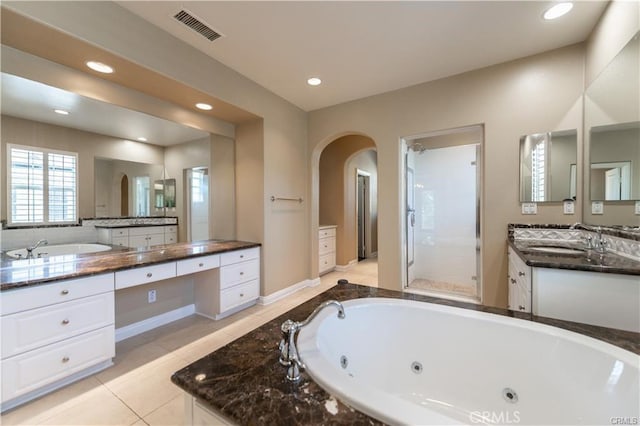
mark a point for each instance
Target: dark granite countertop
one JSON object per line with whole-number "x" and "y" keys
{"x": 587, "y": 260}
{"x": 17, "y": 273}
{"x": 246, "y": 384}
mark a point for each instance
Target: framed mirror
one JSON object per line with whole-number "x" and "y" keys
{"x": 548, "y": 166}
{"x": 612, "y": 140}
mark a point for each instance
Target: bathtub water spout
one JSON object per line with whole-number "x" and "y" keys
{"x": 288, "y": 352}
{"x": 30, "y": 249}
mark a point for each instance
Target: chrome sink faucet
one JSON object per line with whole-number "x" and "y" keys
{"x": 30, "y": 249}
{"x": 598, "y": 243}
{"x": 288, "y": 352}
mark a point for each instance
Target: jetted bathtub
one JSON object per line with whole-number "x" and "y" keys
{"x": 59, "y": 250}
{"x": 408, "y": 362}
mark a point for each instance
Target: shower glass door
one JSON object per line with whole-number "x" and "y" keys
{"x": 442, "y": 219}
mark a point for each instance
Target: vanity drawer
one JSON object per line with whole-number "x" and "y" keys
{"x": 145, "y": 275}
{"x": 170, "y": 238}
{"x": 240, "y": 272}
{"x": 329, "y": 232}
{"x": 120, "y": 241}
{"x": 326, "y": 245}
{"x": 239, "y": 256}
{"x": 172, "y": 229}
{"x": 115, "y": 232}
{"x": 189, "y": 266}
{"x": 32, "y": 329}
{"x": 32, "y": 370}
{"x": 57, "y": 292}
{"x": 146, "y": 230}
{"x": 239, "y": 294}
{"x": 326, "y": 262}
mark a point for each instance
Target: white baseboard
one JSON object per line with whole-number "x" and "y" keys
{"x": 281, "y": 294}
{"x": 153, "y": 322}
{"x": 343, "y": 268}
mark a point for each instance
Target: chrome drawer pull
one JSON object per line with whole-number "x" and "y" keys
{"x": 241, "y": 273}
{"x": 201, "y": 264}
{"x": 513, "y": 281}
{"x": 149, "y": 274}
{"x": 242, "y": 256}
{"x": 521, "y": 274}
{"x": 64, "y": 292}
{"x": 521, "y": 307}
{"x": 65, "y": 359}
{"x": 65, "y": 321}
{"x": 241, "y": 294}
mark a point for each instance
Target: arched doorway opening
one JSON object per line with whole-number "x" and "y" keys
{"x": 345, "y": 184}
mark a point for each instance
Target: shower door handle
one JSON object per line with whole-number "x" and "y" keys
{"x": 412, "y": 218}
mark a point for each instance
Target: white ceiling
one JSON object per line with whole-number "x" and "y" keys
{"x": 36, "y": 101}
{"x": 361, "y": 48}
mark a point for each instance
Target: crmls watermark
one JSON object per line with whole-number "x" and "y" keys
{"x": 624, "y": 421}
{"x": 500, "y": 417}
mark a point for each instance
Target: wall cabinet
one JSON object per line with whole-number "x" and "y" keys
{"x": 519, "y": 280}
{"x": 326, "y": 249}
{"x": 139, "y": 236}
{"x": 53, "y": 332}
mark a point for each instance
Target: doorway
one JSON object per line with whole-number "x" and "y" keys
{"x": 197, "y": 179}
{"x": 442, "y": 213}
{"x": 362, "y": 212}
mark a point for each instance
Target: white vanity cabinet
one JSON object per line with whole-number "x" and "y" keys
{"x": 519, "y": 279}
{"x": 54, "y": 334}
{"x": 234, "y": 286}
{"x": 326, "y": 248}
{"x": 139, "y": 236}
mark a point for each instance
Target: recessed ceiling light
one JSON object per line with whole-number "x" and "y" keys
{"x": 314, "y": 81}
{"x": 203, "y": 106}
{"x": 61, "y": 112}
{"x": 141, "y": 139}
{"x": 557, "y": 10}
{"x": 100, "y": 67}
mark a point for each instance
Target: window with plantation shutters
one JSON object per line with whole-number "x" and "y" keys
{"x": 42, "y": 186}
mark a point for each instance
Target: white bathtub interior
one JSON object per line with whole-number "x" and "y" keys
{"x": 59, "y": 250}
{"x": 410, "y": 362}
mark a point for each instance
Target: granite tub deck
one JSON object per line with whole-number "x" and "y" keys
{"x": 245, "y": 383}
{"x": 17, "y": 273}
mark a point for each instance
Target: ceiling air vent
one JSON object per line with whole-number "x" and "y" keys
{"x": 198, "y": 26}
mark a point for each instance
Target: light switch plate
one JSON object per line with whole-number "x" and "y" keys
{"x": 597, "y": 207}
{"x": 529, "y": 208}
{"x": 637, "y": 207}
{"x": 569, "y": 207}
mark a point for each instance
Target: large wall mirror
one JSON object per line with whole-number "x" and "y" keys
{"x": 548, "y": 166}
{"x": 113, "y": 186}
{"x": 612, "y": 140}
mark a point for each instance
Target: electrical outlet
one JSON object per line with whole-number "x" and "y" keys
{"x": 637, "y": 207}
{"x": 151, "y": 296}
{"x": 597, "y": 207}
{"x": 569, "y": 207}
{"x": 529, "y": 208}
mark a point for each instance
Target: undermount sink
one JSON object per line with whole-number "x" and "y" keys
{"x": 557, "y": 250}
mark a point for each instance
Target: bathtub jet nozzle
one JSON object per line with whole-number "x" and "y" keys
{"x": 288, "y": 352}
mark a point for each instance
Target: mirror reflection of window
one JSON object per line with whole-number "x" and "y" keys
{"x": 548, "y": 166}
{"x": 142, "y": 195}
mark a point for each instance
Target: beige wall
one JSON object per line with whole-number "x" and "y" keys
{"x": 87, "y": 145}
{"x": 619, "y": 22}
{"x": 337, "y": 195}
{"x": 284, "y": 232}
{"x": 222, "y": 178}
{"x": 511, "y": 99}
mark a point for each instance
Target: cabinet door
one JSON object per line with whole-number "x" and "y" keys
{"x": 138, "y": 241}
{"x": 155, "y": 239}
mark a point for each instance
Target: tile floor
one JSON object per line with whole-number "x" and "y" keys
{"x": 137, "y": 390}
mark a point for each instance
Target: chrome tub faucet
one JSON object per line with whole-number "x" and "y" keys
{"x": 30, "y": 249}
{"x": 288, "y": 352}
